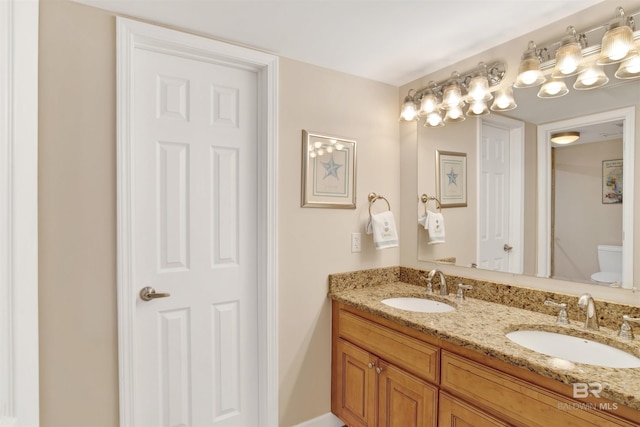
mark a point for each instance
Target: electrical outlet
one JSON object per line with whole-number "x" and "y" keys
{"x": 356, "y": 242}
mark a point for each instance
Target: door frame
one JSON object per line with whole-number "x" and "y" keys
{"x": 516, "y": 186}
{"x": 19, "y": 358}
{"x": 627, "y": 115}
{"x": 132, "y": 36}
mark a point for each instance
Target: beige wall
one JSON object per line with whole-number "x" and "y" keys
{"x": 579, "y": 207}
{"x": 316, "y": 242}
{"x": 77, "y": 218}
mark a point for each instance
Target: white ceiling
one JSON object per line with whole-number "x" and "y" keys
{"x": 391, "y": 41}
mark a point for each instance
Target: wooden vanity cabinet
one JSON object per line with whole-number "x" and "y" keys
{"x": 387, "y": 374}
{"x": 369, "y": 390}
{"x": 372, "y": 392}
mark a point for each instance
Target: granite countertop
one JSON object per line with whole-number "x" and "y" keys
{"x": 481, "y": 326}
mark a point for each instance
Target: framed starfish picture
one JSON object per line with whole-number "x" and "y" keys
{"x": 328, "y": 171}
{"x": 451, "y": 179}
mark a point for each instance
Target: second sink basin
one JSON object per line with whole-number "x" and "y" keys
{"x": 574, "y": 349}
{"x": 421, "y": 305}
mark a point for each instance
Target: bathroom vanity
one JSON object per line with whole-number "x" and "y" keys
{"x": 392, "y": 367}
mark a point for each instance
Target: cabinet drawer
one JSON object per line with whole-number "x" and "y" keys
{"x": 515, "y": 401}
{"x": 408, "y": 353}
{"x": 457, "y": 413}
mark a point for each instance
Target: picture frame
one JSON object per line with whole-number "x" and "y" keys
{"x": 612, "y": 181}
{"x": 328, "y": 171}
{"x": 451, "y": 179}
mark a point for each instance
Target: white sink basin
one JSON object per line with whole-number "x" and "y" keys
{"x": 574, "y": 349}
{"x": 421, "y": 305}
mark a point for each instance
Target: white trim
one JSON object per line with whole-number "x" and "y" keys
{"x": 544, "y": 186}
{"x": 516, "y": 186}
{"x": 19, "y": 382}
{"x": 132, "y": 35}
{"x": 326, "y": 420}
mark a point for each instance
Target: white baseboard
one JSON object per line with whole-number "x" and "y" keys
{"x": 326, "y": 420}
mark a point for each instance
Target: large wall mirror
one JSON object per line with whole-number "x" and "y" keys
{"x": 534, "y": 207}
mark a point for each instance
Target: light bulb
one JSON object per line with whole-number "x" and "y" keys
{"x": 589, "y": 77}
{"x": 434, "y": 119}
{"x": 339, "y": 146}
{"x": 455, "y": 112}
{"x": 329, "y": 149}
{"x": 317, "y": 144}
{"x": 320, "y": 151}
{"x": 312, "y": 154}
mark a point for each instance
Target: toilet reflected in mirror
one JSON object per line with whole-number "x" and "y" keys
{"x": 610, "y": 263}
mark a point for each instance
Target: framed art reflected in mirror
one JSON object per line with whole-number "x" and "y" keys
{"x": 451, "y": 178}
{"x": 328, "y": 171}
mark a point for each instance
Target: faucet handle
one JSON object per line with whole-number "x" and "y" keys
{"x": 562, "y": 318}
{"x": 461, "y": 289}
{"x": 626, "y": 332}
{"x": 429, "y": 285}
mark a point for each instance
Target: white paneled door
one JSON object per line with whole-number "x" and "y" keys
{"x": 194, "y": 210}
{"x": 494, "y": 245}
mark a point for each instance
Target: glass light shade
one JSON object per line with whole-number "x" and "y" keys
{"x": 452, "y": 94}
{"x": 565, "y": 137}
{"x": 629, "y": 69}
{"x": 568, "y": 58}
{"x": 434, "y": 119}
{"x": 428, "y": 104}
{"x": 503, "y": 100}
{"x": 617, "y": 43}
{"x": 529, "y": 73}
{"x": 592, "y": 77}
{"x": 409, "y": 110}
{"x": 479, "y": 89}
{"x": 553, "y": 88}
{"x": 478, "y": 108}
{"x": 454, "y": 114}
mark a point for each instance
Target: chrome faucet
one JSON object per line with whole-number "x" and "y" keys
{"x": 586, "y": 302}
{"x": 443, "y": 282}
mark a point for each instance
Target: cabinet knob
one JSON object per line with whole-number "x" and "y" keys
{"x": 370, "y": 365}
{"x": 378, "y": 369}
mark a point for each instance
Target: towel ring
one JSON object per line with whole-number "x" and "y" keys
{"x": 372, "y": 199}
{"x": 426, "y": 199}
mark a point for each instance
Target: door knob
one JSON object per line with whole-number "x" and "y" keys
{"x": 148, "y": 293}
{"x": 507, "y": 248}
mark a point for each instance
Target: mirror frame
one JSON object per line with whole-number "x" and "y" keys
{"x": 627, "y": 115}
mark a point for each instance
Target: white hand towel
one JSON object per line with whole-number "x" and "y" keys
{"x": 435, "y": 226}
{"x": 422, "y": 220}
{"x": 383, "y": 228}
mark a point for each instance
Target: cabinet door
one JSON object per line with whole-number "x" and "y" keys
{"x": 457, "y": 413}
{"x": 404, "y": 400}
{"x": 355, "y": 379}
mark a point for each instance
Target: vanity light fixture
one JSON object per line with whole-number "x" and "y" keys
{"x": 572, "y": 55}
{"x": 565, "y": 137}
{"x": 448, "y": 101}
